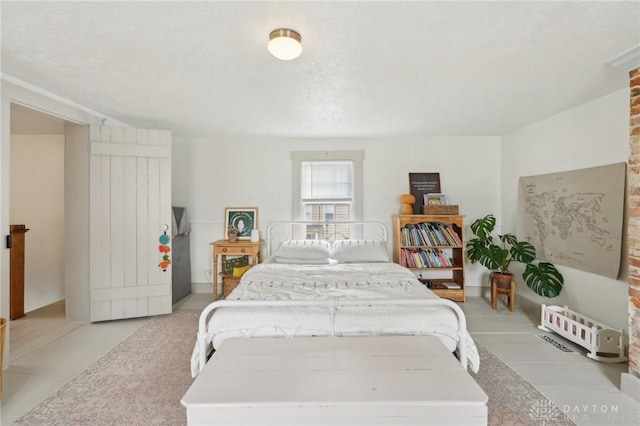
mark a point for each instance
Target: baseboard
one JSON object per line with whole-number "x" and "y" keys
{"x": 201, "y": 287}
{"x": 630, "y": 385}
{"x": 474, "y": 291}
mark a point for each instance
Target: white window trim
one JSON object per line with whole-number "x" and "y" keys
{"x": 297, "y": 157}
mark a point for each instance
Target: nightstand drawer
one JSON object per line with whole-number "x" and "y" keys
{"x": 233, "y": 250}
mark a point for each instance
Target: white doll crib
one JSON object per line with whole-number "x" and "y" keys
{"x": 604, "y": 343}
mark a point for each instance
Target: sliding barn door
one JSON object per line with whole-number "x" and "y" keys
{"x": 130, "y": 202}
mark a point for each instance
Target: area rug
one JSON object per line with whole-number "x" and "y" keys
{"x": 512, "y": 400}
{"x": 139, "y": 382}
{"x": 142, "y": 380}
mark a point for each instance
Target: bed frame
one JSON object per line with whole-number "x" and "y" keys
{"x": 604, "y": 343}
{"x": 330, "y": 231}
{"x": 332, "y": 306}
{"x": 278, "y": 232}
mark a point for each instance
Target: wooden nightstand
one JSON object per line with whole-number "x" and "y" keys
{"x": 225, "y": 248}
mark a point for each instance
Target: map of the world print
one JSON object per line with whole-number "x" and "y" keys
{"x": 575, "y": 218}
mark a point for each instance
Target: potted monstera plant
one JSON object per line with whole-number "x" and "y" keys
{"x": 497, "y": 252}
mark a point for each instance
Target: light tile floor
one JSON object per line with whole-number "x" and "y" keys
{"x": 38, "y": 328}
{"x": 586, "y": 390}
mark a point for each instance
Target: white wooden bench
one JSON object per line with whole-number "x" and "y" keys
{"x": 390, "y": 380}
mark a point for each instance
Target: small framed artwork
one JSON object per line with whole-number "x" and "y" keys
{"x": 435, "y": 199}
{"x": 244, "y": 219}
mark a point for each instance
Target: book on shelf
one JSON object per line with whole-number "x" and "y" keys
{"x": 450, "y": 285}
{"x": 430, "y": 234}
{"x": 424, "y": 258}
{"x": 437, "y": 235}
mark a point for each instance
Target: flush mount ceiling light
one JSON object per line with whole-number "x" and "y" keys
{"x": 285, "y": 44}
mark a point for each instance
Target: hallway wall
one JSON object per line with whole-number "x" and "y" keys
{"x": 37, "y": 201}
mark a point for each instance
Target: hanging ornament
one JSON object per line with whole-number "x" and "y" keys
{"x": 164, "y": 249}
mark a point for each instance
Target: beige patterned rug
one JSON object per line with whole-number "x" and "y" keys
{"x": 512, "y": 400}
{"x": 142, "y": 380}
{"x": 139, "y": 382}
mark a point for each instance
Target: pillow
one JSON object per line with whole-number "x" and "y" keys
{"x": 239, "y": 271}
{"x": 228, "y": 265}
{"x": 360, "y": 251}
{"x": 304, "y": 249}
{"x": 296, "y": 261}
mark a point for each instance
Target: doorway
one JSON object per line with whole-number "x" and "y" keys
{"x": 37, "y": 201}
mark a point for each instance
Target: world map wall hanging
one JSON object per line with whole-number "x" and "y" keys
{"x": 575, "y": 218}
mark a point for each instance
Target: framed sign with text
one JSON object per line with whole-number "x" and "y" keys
{"x": 421, "y": 184}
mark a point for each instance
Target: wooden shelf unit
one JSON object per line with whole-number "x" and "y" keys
{"x": 453, "y": 252}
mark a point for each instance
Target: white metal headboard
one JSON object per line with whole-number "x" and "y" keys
{"x": 278, "y": 232}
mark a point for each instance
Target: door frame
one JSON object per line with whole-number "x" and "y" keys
{"x": 25, "y": 94}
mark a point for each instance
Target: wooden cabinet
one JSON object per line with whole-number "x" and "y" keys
{"x": 432, "y": 247}
{"x": 226, "y": 248}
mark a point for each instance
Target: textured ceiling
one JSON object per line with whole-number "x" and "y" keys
{"x": 367, "y": 69}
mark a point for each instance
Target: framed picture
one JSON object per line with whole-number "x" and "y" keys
{"x": 421, "y": 184}
{"x": 244, "y": 219}
{"x": 435, "y": 199}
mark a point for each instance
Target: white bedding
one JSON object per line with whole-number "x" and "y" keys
{"x": 364, "y": 280}
{"x": 276, "y": 281}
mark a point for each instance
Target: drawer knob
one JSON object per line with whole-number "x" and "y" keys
{"x": 224, "y": 250}
{"x": 242, "y": 250}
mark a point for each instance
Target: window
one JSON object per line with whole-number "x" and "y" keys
{"x": 327, "y": 185}
{"x": 327, "y": 190}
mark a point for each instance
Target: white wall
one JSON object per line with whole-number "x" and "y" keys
{"x": 37, "y": 201}
{"x": 593, "y": 134}
{"x": 211, "y": 174}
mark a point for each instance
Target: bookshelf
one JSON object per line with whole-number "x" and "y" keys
{"x": 432, "y": 247}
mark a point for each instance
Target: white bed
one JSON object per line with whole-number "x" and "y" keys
{"x": 350, "y": 290}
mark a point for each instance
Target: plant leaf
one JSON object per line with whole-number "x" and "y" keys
{"x": 475, "y": 249}
{"x": 523, "y": 251}
{"x": 544, "y": 279}
{"x": 483, "y": 251}
{"x": 483, "y": 227}
{"x": 508, "y": 238}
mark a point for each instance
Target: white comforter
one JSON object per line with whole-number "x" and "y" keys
{"x": 275, "y": 281}
{"x": 362, "y": 280}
